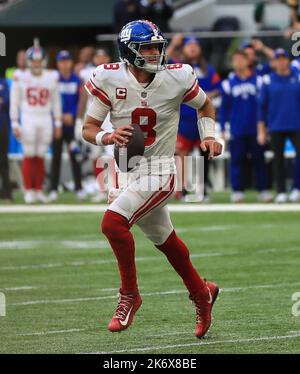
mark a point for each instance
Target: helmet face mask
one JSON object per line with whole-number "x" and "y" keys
{"x": 151, "y": 63}
{"x": 133, "y": 37}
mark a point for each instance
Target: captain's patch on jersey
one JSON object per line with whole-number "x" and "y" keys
{"x": 121, "y": 93}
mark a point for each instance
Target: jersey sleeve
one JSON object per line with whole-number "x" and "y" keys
{"x": 225, "y": 103}
{"x": 262, "y": 99}
{"x": 56, "y": 103}
{"x": 97, "y": 111}
{"x": 54, "y": 75}
{"x": 15, "y": 101}
{"x": 193, "y": 95}
{"x": 96, "y": 87}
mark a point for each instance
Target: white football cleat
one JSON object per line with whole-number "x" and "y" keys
{"x": 206, "y": 199}
{"x": 265, "y": 197}
{"x": 193, "y": 198}
{"x": 294, "y": 196}
{"x": 196, "y": 198}
{"x": 29, "y": 196}
{"x": 41, "y": 197}
{"x": 237, "y": 197}
{"x": 99, "y": 197}
{"x": 53, "y": 196}
{"x": 81, "y": 195}
{"x": 281, "y": 198}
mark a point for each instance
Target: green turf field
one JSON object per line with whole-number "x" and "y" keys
{"x": 60, "y": 281}
{"x": 69, "y": 198}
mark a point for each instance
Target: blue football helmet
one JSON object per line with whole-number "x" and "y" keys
{"x": 138, "y": 33}
{"x": 36, "y": 53}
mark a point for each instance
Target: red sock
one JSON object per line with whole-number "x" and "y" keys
{"x": 97, "y": 169}
{"x": 99, "y": 174}
{"x": 179, "y": 257}
{"x": 28, "y": 172}
{"x": 116, "y": 228}
{"x": 39, "y": 173}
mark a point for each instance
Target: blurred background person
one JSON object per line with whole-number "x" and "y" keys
{"x": 98, "y": 188}
{"x": 34, "y": 99}
{"x": 279, "y": 113}
{"x": 158, "y": 12}
{"x": 251, "y": 48}
{"x": 10, "y": 73}
{"x": 125, "y": 11}
{"x": 5, "y": 191}
{"x": 69, "y": 86}
{"x": 86, "y": 55}
{"x": 188, "y": 133}
{"x": 19, "y": 68}
{"x": 101, "y": 56}
{"x": 239, "y": 108}
{"x": 294, "y": 17}
{"x": 174, "y": 49}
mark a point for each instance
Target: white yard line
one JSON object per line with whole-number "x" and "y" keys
{"x": 203, "y": 343}
{"x": 145, "y": 294}
{"x": 101, "y": 262}
{"x": 75, "y": 286}
{"x": 65, "y": 244}
{"x": 180, "y": 208}
{"x": 291, "y": 335}
{"x": 233, "y": 289}
{"x": 20, "y": 288}
{"x": 51, "y": 332}
{"x": 206, "y": 228}
{"x": 281, "y": 250}
{"x": 169, "y": 334}
{"x": 96, "y": 298}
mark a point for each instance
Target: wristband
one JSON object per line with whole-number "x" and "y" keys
{"x": 206, "y": 127}
{"x": 78, "y": 129}
{"x": 99, "y": 137}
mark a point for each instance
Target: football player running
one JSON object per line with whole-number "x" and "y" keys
{"x": 35, "y": 98}
{"x": 143, "y": 90}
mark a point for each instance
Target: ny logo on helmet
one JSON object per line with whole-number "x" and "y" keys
{"x": 125, "y": 35}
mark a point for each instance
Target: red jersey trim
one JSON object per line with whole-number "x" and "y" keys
{"x": 96, "y": 91}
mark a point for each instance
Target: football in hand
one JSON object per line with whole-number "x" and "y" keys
{"x": 128, "y": 157}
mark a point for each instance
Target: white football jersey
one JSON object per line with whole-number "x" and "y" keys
{"x": 35, "y": 96}
{"x": 19, "y": 73}
{"x": 85, "y": 75}
{"x": 155, "y": 107}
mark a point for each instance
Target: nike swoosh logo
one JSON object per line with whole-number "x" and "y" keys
{"x": 210, "y": 297}
{"x": 124, "y": 323}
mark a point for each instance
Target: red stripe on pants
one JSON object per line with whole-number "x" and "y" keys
{"x": 154, "y": 200}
